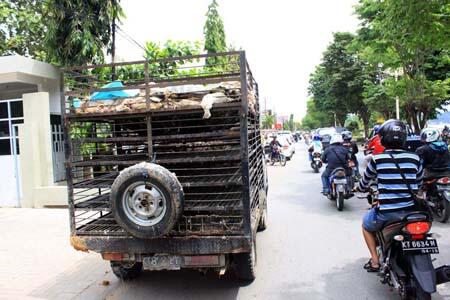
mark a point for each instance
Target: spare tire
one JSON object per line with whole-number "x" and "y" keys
{"x": 146, "y": 200}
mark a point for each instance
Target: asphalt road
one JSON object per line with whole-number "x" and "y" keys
{"x": 309, "y": 251}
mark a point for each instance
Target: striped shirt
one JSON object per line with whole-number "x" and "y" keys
{"x": 393, "y": 191}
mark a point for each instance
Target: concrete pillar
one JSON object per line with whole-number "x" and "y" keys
{"x": 35, "y": 147}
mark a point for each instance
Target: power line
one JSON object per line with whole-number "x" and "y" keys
{"x": 129, "y": 38}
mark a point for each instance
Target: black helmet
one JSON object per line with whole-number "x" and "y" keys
{"x": 393, "y": 134}
{"x": 347, "y": 135}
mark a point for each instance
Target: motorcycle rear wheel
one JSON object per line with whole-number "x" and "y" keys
{"x": 420, "y": 294}
{"x": 442, "y": 212}
{"x": 340, "y": 201}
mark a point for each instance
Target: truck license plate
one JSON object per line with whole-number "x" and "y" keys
{"x": 420, "y": 247}
{"x": 162, "y": 262}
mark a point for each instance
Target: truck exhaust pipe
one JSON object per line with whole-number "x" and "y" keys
{"x": 443, "y": 274}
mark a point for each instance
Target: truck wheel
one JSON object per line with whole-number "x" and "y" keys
{"x": 245, "y": 264}
{"x": 146, "y": 200}
{"x": 126, "y": 270}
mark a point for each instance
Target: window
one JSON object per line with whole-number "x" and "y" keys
{"x": 11, "y": 113}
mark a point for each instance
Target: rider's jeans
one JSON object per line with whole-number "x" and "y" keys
{"x": 325, "y": 180}
{"x": 375, "y": 219}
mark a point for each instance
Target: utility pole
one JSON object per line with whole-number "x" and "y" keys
{"x": 113, "y": 44}
{"x": 397, "y": 100}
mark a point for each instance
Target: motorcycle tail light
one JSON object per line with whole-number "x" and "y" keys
{"x": 443, "y": 180}
{"x": 417, "y": 228}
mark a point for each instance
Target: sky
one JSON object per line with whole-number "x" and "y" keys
{"x": 283, "y": 39}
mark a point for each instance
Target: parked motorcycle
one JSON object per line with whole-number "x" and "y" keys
{"x": 341, "y": 187}
{"x": 316, "y": 162}
{"x": 437, "y": 194}
{"x": 404, "y": 248}
{"x": 277, "y": 156}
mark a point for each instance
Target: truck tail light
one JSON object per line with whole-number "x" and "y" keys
{"x": 113, "y": 256}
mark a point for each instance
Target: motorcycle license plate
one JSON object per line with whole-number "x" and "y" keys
{"x": 162, "y": 262}
{"x": 316, "y": 159}
{"x": 428, "y": 246}
{"x": 340, "y": 181}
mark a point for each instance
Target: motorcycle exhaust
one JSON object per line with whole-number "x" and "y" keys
{"x": 442, "y": 274}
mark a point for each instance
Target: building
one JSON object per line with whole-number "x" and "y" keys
{"x": 31, "y": 147}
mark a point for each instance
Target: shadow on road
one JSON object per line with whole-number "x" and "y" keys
{"x": 92, "y": 278}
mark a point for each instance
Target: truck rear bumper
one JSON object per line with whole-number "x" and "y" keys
{"x": 169, "y": 245}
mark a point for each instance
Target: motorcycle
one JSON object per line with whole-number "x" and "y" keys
{"x": 316, "y": 162}
{"x": 341, "y": 187}
{"x": 404, "y": 248}
{"x": 437, "y": 195}
{"x": 277, "y": 156}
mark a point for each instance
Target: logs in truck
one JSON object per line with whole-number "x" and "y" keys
{"x": 164, "y": 163}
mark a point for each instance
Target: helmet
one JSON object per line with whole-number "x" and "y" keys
{"x": 347, "y": 135}
{"x": 316, "y": 137}
{"x": 336, "y": 139}
{"x": 376, "y": 128}
{"x": 429, "y": 135}
{"x": 393, "y": 134}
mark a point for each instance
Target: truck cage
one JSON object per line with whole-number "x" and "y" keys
{"x": 218, "y": 160}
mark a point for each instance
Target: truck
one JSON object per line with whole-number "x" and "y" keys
{"x": 164, "y": 164}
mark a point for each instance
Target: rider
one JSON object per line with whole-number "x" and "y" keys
{"x": 394, "y": 196}
{"x": 434, "y": 154}
{"x": 315, "y": 146}
{"x": 446, "y": 134}
{"x": 352, "y": 149}
{"x": 335, "y": 156}
{"x": 274, "y": 145}
{"x": 374, "y": 143}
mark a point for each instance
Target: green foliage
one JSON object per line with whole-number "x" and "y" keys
{"x": 214, "y": 32}
{"x": 411, "y": 37}
{"x": 79, "y": 30}
{"x": 22, "y": 29}
{"x": 268, "y": 121}
{"x": 353, "y": 123}
{"x": 171, "y": 48}
{"x": 338, "y": 82}
{"x": 315, "y": 118}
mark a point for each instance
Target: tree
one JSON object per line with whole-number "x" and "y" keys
{"x": 315, "y": 118}
{"x": 22, "y": 29}
{"x": 268, "y": 121}
{"x": 338, "y": 82}
{"x": 170, "y": 48}
{"x": 79, "y": 31}
{"x": 406, "y": 36}
{"x": 214, "y": 32}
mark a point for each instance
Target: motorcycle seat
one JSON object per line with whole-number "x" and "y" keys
{"x": 413, "y": 216}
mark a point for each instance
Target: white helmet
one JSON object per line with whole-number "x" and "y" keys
{"x": 429, "y": 135}
{"x": 336, "y": 138}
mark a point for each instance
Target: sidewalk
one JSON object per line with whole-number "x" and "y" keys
{"x": 37, "y": 261}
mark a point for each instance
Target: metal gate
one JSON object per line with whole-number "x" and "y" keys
{"x": 59, "y": 173}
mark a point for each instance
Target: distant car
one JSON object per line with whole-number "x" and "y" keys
{"x": 288, "y": 135}
{"x": 325, "y": 135}
{"x": 288, "y": 147}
